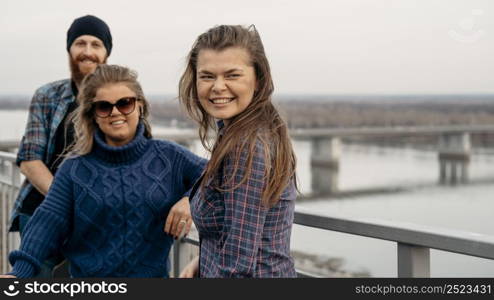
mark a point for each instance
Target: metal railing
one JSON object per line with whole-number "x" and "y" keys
{"x": 413, "y": 241}
{"x": 10, "y": 180}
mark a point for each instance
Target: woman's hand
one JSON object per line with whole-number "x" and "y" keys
{"x": 179, "y": 221}
{"x": 191, "y": 270}
{"x": 7, "y": 276}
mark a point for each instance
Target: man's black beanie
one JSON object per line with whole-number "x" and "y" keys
{"x": 90, "y": 25}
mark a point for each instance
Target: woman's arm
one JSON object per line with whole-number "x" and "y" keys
{"x": 47, "y": 228}
{"x": 179, "y": 220}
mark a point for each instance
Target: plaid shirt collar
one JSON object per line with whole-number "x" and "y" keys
{"x": 221, "y": 126}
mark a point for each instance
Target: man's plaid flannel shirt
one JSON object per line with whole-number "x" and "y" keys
{"x": 47, "y": 110}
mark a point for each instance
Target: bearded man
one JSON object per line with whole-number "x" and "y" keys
{"x": 49, "y": 130}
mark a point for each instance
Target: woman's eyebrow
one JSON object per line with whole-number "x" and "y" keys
{"x": 228, "y": 71}
{"x": 234, "y": 70}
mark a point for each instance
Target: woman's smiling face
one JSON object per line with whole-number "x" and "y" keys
{"x": 119, "y": 129}
{"x": 226, "y": 81}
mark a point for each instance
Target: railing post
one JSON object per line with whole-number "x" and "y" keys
{"x": 183, "y": 253}
{"x": 413, "y": 261}
{"x": 176, "y": 258}
{"x": 325, "y": 165}
{"x": 4, "y": 231}
{"x": 14, "y": 240}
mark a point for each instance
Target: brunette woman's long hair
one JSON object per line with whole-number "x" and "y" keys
{"x": 259, "y": 122}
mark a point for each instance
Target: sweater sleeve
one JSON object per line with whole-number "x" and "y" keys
{"x": 47, "y": 228}
{"x": 244, "y": 214}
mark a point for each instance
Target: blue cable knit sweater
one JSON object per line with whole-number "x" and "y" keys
{"x": 106, "y": 210}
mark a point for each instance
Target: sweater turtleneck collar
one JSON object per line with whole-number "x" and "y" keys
{"x": 121, "y": 154}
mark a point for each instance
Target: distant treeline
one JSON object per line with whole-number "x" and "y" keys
{"x": 341, "y": 111}
{"x": 346, "y": 111}
{"x": 389, "y": 111}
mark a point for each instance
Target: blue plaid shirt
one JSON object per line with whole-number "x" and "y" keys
{"x": 238, "y": 236}
{"x": 47, "y": 110}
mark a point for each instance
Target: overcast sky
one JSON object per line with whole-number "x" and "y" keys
{"x": 314, "y": 47}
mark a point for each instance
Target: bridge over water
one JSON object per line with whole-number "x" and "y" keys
{"x": 452, "y": 143}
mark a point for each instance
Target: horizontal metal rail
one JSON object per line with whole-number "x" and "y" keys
{"x": 8, "y": 156}
{"x": 413, "y": 240}
{"x": 390, "y": 131}
{"x": 456, "y": 241}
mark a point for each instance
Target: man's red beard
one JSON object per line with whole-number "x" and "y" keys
{"x": 77, "y": 74}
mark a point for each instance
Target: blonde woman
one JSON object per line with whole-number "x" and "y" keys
{"x": 107, "y": 206}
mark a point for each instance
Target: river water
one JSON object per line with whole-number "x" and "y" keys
{"x": 462, "y": 207}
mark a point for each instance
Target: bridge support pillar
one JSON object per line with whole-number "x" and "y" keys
{"x": 454, "y": 158}
{"x": 325, "y": 159}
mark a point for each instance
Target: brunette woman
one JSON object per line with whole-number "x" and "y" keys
{"x": 243, "y": 206}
